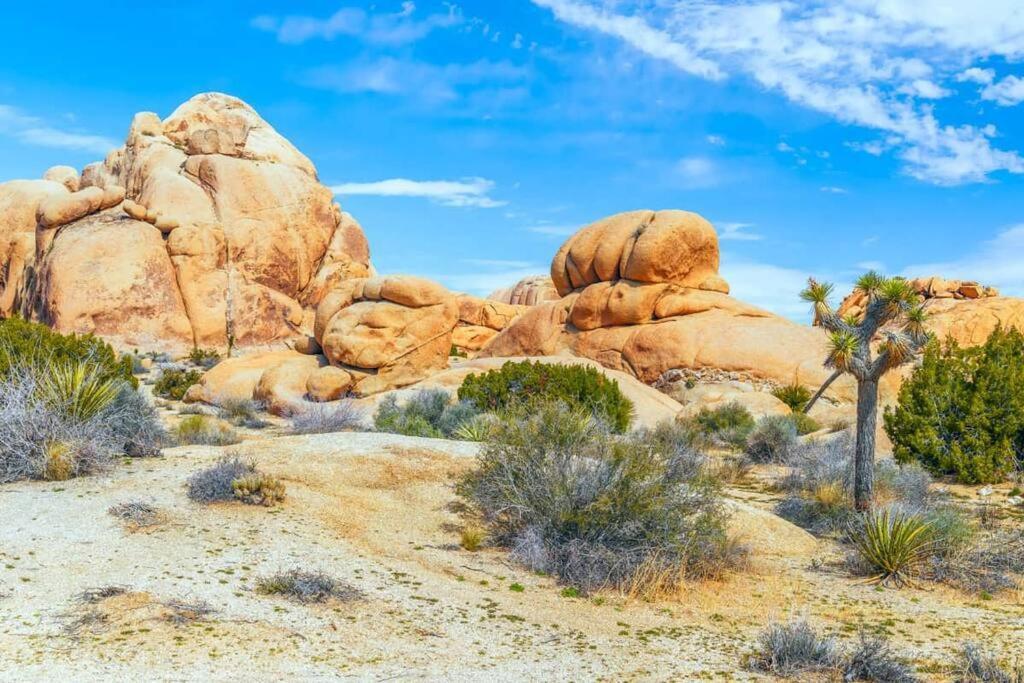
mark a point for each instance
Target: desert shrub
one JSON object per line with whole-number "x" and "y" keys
{"x": 771, "y": 439}
{"x": 173, "y": 383}
{"x": 428, "y": 413}
{"x": 204, "y": 358}
{"x": 475, "y": 429}
{"x": 216, "y": 483}
{"x": 242, "y": 412}
{"x": 727, "y": 425}
{"x": 979, "y": 562}
{"x": 41, "y": 440}
{"x": 805, "y": 424}
{"x": 200, "y": 430}
{"x": 31, "y": 346}
{"x": 472, "y": 537}
{"x": 305, "y": 586}
{"x": 573, "y": 499}
{"x": 258, "y": 489}
{"x": 794, "y": 648}
{"x": 962, "y": 410}
{"x": 136, "y": 514}
{"x": 873, "y": 660}
{"x": 795, "y": 396}
{"x": 324, "y": 418}
{"x": 978, "y": 666}
{"x": 578, "y": 386}
{"x": 134, "y": 422}
{"x": 78, "y": 388}
{"x": 892, "y": 543}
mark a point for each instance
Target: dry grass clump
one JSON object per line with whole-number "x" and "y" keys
{"x": 567, "y": 496}
{"x": 306, "y": 586}
{"x": 232, "y": 478}
{"x": 795, "y": 649}
{"x": 242, "y": 412}
{"x": 978, "y": 666}
{"x": 136, "y": 514}
{"x": 472, "y": 537}
{"x": 200, "y": 430}
{"x": 326, "y": 418}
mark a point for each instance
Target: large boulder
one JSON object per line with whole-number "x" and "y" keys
{"x": 221, "y": 201}
{"x": 530, "y": 291}
{"x": 391, "y": 331}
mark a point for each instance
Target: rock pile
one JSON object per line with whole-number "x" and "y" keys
{"x": 530, "y": 291}
{"x": 205, "y": 229}
{"x": 927, "y": 288}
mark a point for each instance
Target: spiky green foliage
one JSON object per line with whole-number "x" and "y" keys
{"x": 79, "y": 388}
{"x": 173, "y": 384}
{"x": 869, "y": 283}
{"x": 962, "y": 410}
{"x": 793, "y": 395}
{"x": 577, "y": 386}
{"x": 893, "y": 543}
{"x": 37, "y": 347}
{"x": 843, "y": 346}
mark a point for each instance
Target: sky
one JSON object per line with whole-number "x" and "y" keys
{"x": 471, "y": 138}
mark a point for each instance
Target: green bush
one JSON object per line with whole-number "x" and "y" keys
{"x": 729, "y": 425}
{"x": 428, "y": 413}
{"x": 568, "y": 497}
{"x": 805, "y": 424}
{"x": 772, "y": 439}
{"x": 577, "y": 386}
{"x": 30, "y": 345}
{"x": 205, "y": 358}
{"x": 962, "y": 410}
{"x": 173, "y": 384}
{"x": 795, "y": 396}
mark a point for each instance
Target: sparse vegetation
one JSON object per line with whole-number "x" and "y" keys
{"x": 772, "y": 439}
{"x": 978, "y": 666}
{"x": 727, "y": 426}
{"x": 428, "y": 413}
{"x": 242, "y": 412}
{"x": 258, "y": 489}
{"x": 569, "y": 497}
{"x": 29, "y": 347}
{"x": 472, "y": 537}
{"x": 204, "y": 358}
{"x": 324, "y": 418}
{"x": 217, "y": 482}
{"x": 962, "y": 410}
{"x": 136, "y": 514}
{"x": 173, "y": 383}
{"x": 305, "y": 586}
{"x": 578, "y": 386}
{"x": 200, "y": 430}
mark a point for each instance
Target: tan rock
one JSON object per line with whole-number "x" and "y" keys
{"x": 19, "y": 203}
{"x": 135, "y": 210}
{"x": 58, "y": 210}
{"x": 537, "y": 332}
{"x": 307, "y": 345}
{"x": 235, "y": 378}
{"x": 65, "y": 175}
{"x": 282, "y": 386}
{"x": 328, "y": 384}
{"x": 481, "y": 312}
{"x": 529, "y": 291}
{"x": 472, "y": 337}
{"x": 647, "y": 246}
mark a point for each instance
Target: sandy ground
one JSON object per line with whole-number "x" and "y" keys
{"x": 375, "y": 511}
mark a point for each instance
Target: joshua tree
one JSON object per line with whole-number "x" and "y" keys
{"x": 895, "y": 319}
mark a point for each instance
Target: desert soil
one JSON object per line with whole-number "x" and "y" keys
{"x": 377, "y": 511}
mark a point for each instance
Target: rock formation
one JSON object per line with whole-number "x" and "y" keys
{"x": 480, "y": 320}
{"x": 530, "y": 291}
{"x": 205, "y": 229}
{"x": 642, "y": 294}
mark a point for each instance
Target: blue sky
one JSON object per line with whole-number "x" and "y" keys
{"x": 470, "y": 138}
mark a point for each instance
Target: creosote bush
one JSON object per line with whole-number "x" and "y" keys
{"x": 201, "y": 430}
{"x": 962, "y": 410}
{"x": 173, "y": 383}
{"x": 727, "y": 426}
{"x": 772, "y": 439}
{"x": 325, "y": 418}
{"x": 305, "y": 586}
{"x": 428, "y": 413}
{"x": 571, "y": 498}
{"x": 578, "y": 386}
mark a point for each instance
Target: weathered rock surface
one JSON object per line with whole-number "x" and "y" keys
{"x": 393, "y": 330}
{"x": 226, "y": 225}
{"x": 480, "y": 320}
{"x": 529, "y": 291}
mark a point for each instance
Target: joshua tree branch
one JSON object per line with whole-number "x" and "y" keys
{"x": 825, "y": 385}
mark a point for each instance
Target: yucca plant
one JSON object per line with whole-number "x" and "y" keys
{"x": 78, "y": 388}
{"x": 895, "y": 319}
{"x": 893, "y": 543}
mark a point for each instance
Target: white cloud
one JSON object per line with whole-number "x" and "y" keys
{"x": 771, "y": 287}
{"x": 716, "y": 140}
{"x": 399, "y": 28}
{"x": 517, "y": 41}
{"x": 554, "y": 230}
{"x": 430, "y": 82}
{"x": 976, "y": 75}
{"x": 695, "y": 173}
{"x": 857, "y": 61}
{"x": 1008, "y": 92}
{"x": 32, "y": 130}
{"x": 471, "y": 192}
{"x": 995, "y": 262}
{"x": 832, "y": 189}
{"x": 736, "y": 231}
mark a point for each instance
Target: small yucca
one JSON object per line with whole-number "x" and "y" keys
{"x": 258, "y": 489}
{"x": 893, "y": 543}
{"x": 78, "y": 388}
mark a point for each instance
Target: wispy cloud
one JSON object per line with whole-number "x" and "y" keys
{"x": 833, "y": 189}
{"x": 1008, "y": 92}
{"x": 471, "y": 192}
{"x": 696, "y": 172}
{"x": 775, "y": 288}
{"x": 858, "y": 62}
{"x": 403, "y": 77}
{"x": 995, "y": 262}
{"x": 489, "y": 276}
{"x": 554, "y": 230}
{"x": 397, "y": 28}
{"x": 736, "y": 231}
{"x": 32, "y": 130}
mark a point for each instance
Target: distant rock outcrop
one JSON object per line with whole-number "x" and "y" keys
{"x": 530, "y": 291}
{"x": 207, "y": 228}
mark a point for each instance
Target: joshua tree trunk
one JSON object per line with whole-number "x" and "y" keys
{"x": 814, "y": 399}
{"x": 864, "y": 457}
